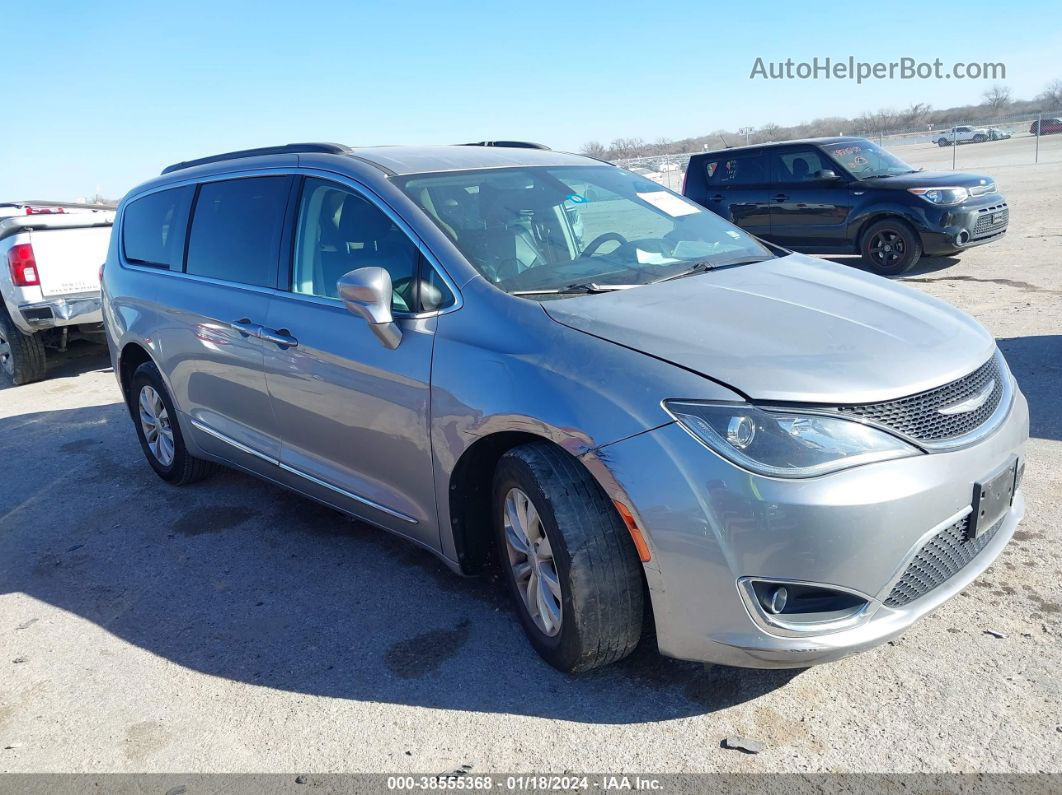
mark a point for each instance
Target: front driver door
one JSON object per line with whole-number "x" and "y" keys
{"x": 807, "y": 211}
{"x": 354, "y": 414}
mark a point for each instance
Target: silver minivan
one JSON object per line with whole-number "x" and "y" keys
{"x": 538, "y": 361}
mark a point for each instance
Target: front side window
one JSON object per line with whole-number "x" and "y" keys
{"x": 339, "y": 231}
{"x": 236, "y": 228}
{"x": 153, "y": 228}
{"x": 546, "y": 228}
{"x": 801, "y": 165}
{"x": 863, "y": 159}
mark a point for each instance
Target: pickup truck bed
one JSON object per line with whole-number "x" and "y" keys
{"x": 49, "y": 282}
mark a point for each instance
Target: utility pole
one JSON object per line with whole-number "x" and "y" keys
{"x": 746, "y": 131}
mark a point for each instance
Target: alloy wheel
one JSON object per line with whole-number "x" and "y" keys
{"x": 887, "y": 248}
{"x": 155, "y": 423}
{"x": 531, "y": 561}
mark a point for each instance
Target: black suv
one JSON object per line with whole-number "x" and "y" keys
{"x": 847, "y": 195}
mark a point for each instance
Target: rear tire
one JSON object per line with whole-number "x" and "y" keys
{"x": 594, "y": 614}
{"x": 159, "y": 431}
{"x": 21, "y": 355}
{"x": 890, "y": 247}
{"x": 978, "y": 139}
{"x": 942, "y": 142}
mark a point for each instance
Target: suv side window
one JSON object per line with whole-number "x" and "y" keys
{"x": 236, "y": 229}
{"x": 339, "y": 230}
{"x": 800, "y": 165}
{"x": 154, "y": 226}
{"x": 745, "y": 169}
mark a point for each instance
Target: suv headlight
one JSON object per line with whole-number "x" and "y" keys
{"x": 785, "y": 443}
{"x": 944, "y": 196}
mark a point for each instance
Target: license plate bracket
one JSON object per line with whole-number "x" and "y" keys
{"x": 992, "y": 498}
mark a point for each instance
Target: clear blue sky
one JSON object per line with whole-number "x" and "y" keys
{"x": 104, "y": 94}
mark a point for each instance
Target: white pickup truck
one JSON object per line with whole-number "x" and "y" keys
{"x": 963, "y": 134}
{"x": 50, "y": 259}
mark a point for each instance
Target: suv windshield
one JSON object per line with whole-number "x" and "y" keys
{"x": 863, "y": 160}
{"x": 559, "y": 229}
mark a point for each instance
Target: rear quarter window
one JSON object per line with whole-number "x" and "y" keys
{"x": 153, "y": 228}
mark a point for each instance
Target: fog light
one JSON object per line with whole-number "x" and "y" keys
{"x": 776, "y": 600}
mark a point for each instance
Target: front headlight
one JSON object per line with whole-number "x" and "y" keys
{"x": 785, "y": 443}
{"x": 943, "y": 196}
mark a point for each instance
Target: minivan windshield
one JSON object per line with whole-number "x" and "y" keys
{"x": 572, "y": 229}
{"x": 863, "y": 159}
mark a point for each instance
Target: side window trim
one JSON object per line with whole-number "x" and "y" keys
{"x": 301, "y": 173}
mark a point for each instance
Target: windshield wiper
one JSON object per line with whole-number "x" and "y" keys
{"x": 579, "y": 288}
{"x": 710, "y": 265}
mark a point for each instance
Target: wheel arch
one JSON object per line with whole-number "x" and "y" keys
{"x": 132, "y": 355}
{"x": 469, "y": 493}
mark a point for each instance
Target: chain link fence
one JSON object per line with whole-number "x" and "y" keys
{"x": 1007, "y": 141}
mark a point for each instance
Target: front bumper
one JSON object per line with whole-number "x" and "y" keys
{"x": 709, "y": 523}
{"x": 972, "y": 223}
{"x": 67, "y": 310}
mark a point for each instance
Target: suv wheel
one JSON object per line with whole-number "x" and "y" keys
{"x": 159, "y": 432}
{"x": 890, "y": 247}
{"x": 567, "y": 558}
{"x": 979, "y": 139}
{"x": 942, "y": 142}
{"x": 21, "y": 355}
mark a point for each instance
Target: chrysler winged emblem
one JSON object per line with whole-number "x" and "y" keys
{"x": 971, "y": 403}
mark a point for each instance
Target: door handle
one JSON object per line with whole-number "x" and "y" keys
{"x": 280, "y": 337}
{"x": 717, "y": 197}
{"x": 781, "y": 197}
{"x": 245, "y": 327}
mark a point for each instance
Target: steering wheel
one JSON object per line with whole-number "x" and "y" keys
{"x": 600, "y": 240}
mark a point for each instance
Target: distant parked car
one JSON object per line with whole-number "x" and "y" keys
{"x": 1046, "y": 127}
{"x": 996, "y": 134}
{"x": 846, "y": 196}
{"x": 963, "y": 135}
{"x": 51, "y": 286}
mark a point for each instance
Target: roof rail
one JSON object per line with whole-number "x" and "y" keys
{"x": 285, "y": 149}
{"x": 510, "y": 144}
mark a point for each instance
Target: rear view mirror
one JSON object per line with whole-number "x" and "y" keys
{"x": 366, "y": 292}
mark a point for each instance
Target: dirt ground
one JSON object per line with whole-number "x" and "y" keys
{"x": 232, "y": 626}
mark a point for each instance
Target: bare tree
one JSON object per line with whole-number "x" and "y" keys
{"x": 997, "y": 97}
{"x": 768, "y": 132}
{"x": 1051, "y": 96}
{"x": 595, "y": 149}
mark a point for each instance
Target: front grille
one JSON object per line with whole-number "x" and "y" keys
{"x": 943, "y": 556}
{"x": 918, "y": 416}
{"x": 984, "y": 226}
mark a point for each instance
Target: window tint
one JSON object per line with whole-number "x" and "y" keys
{"x": 153, "y": 228}
{"x": 800, "y": 166}
{"x": 748, "y": 169}
{"x": 236, "y": 230}
{"x": 340, "y": 231}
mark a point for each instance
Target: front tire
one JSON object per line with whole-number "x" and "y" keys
{"x": 21, "y": 355}
{"x": 567, "y": 558}
{"x": 890, "y": 247}
{"x": 159, "y": 432}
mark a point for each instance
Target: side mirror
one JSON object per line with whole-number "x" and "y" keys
{"x": 827, "y": 174}
{"x": 366, "y": 292}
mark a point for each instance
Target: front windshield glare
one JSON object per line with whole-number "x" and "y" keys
{"x": 862, "y": 160}
{"x": 544, "y": 228}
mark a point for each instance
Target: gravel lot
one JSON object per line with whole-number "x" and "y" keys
{"x": 232, "y": 626}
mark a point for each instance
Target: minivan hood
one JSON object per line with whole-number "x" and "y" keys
{"x": 928, "y": 179}
{"x": 792, "y": 329}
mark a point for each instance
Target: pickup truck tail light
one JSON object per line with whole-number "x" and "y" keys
{"x": 23, "y": 266}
